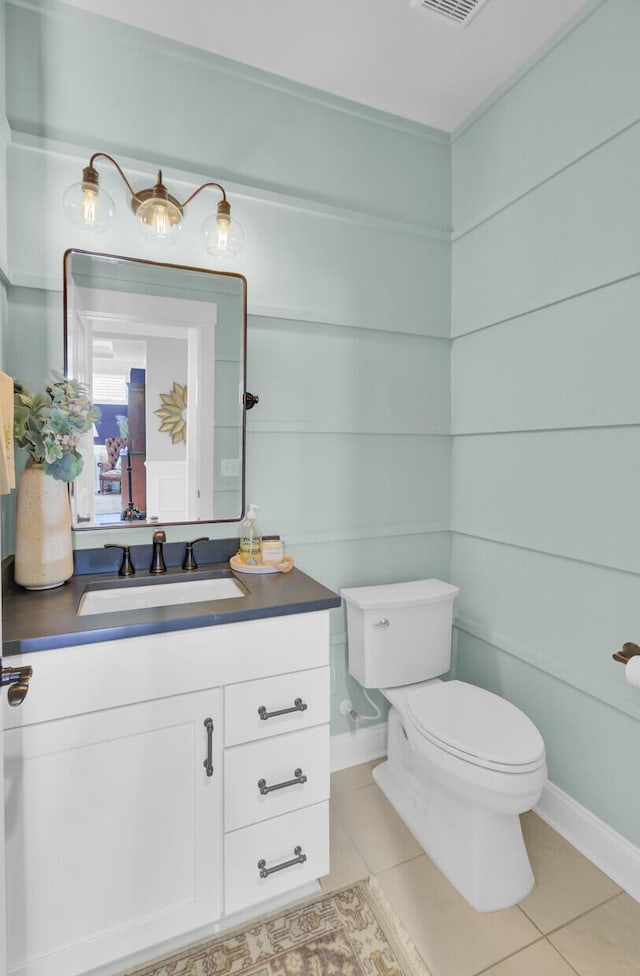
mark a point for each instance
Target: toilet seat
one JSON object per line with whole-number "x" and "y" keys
{"x": 475, "y": 725}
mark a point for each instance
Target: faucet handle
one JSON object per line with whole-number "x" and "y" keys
{"x": 126, "y": 566}
{"x": 189, "y": 559}
{"x": 157, "y": 561}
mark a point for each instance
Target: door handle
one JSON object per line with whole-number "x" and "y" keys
{"x": 17, "y": 682}
{"x": 208, "y": 763}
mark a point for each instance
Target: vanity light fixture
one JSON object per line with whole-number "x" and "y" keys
{"x": 90, "y": 207}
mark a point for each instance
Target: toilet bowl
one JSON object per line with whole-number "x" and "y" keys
{"x": 462, "y": 763}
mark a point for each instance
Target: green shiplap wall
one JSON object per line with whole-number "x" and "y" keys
{"x": 545, "y": 408}
{"x": 354, "y": 291}
{"x": 347, "y": 216}
{"x": 4, "y": 140}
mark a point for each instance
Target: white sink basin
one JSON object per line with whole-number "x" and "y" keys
{"x": 120, "y": 598}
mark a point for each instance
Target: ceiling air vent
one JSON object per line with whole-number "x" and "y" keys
{"x": 458, "y": 12}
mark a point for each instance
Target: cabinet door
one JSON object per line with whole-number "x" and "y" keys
{"x": 113, "y": 832}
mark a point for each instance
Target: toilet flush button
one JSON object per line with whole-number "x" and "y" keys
{"x": 383, "y": 622}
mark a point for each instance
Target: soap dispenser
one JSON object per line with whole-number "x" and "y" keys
{"x": 250, "y": 539}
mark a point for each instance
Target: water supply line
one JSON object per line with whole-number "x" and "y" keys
{"x": 346, "y": 708}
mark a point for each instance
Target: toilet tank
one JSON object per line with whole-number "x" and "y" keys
{"x": 399, "y": 633}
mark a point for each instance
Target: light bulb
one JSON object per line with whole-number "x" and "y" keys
{"x": 223, "y": 233}
{"x": 160, "y": 219}
{"x": 88, "y": 207}
{"x": 223, "y": 236}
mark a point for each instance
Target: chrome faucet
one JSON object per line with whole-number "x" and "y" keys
{"x": 157, "y": 561}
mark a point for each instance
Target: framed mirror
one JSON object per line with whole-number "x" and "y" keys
{"x": 162, "y": 348}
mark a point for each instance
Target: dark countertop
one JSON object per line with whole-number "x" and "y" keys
{"x": 38, "y": 620}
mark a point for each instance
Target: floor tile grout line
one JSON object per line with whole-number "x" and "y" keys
{"x": 407, "y": 860}
{"x": 362, "y": 786}
{"x": 487, "y": 969}
{"x": 396, "y": 864}
{"x": 498, "y": 962}
{"x": 564, "y": 959}
{"x": 356, "y": 789}
{"x": 587, "y": 911}
{"x": 370, "y": 868}
{"x": 529, "y": 919}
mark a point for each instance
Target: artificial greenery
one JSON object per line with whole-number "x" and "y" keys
{"x": 48, "y": 425}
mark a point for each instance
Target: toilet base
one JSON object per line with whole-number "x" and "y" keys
{"x": 480, "y": 852}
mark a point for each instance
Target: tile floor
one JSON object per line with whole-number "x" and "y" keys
{"x": 576, "y": 920}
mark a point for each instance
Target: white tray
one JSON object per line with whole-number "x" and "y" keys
{"x": 284, "y": 567}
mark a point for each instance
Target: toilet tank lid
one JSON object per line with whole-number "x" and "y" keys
{"x": 410, "y": 594}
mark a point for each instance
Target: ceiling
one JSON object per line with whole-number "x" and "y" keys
{"x": 387, "y": 54}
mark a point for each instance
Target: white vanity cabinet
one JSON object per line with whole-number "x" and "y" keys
{"x": 143, "y": 788}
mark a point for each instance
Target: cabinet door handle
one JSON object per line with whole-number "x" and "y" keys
{"x": 17, "y": 680}
{"x": 299, "y": 778}
{"x": 208, "y": 763}
{"x": 300, "y": 858}
{"x": 298, "y": 706}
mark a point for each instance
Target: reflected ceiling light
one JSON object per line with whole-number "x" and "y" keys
{"x": 90, "y": 207}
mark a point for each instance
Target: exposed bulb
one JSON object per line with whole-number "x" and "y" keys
{"x": 88, "y": 207}
{"x": 223, "y": 233}
{"x": 223, "y": 236}
{"x": 160, "y": 219}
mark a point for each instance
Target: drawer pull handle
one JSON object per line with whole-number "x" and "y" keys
{"x": 299, "y": 778}
{"x": 208, "y": 763}
{"x": 300, "y": 858}
{"x": 298, "y": 706}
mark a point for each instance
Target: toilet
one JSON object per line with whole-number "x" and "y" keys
{"x": 462, "y": 763}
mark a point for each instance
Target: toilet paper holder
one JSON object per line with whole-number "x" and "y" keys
{"x": 626, "y": 652}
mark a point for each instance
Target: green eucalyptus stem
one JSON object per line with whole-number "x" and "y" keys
{"x": 49, "y": 425}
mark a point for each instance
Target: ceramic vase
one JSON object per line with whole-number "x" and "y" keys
{"x": 44, "y": 556}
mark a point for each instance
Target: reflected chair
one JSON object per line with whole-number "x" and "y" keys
{"x": 110, "y": 470}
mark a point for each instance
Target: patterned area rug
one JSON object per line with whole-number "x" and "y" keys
{"x": 352, "y": 932}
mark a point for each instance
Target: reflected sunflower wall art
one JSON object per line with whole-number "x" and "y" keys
{"x": 172, "y": 413}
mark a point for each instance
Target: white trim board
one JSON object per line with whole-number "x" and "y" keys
{"x": 358, "y": 746}
{"x": 602, "y": 845}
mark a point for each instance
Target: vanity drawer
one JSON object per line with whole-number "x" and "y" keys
{"x": 276, "y": 761}
{"x": 275, "y": 842}
{"x": 244, "y": 703}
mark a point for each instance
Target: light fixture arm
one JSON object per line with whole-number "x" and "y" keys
{"x": 90, "y": 174}
{"x": 101, "y": 155}
{"x": 203, "y": 187}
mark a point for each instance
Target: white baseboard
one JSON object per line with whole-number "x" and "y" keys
{"x": 359, "y": 746}
{"x": 607, "y": 849}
